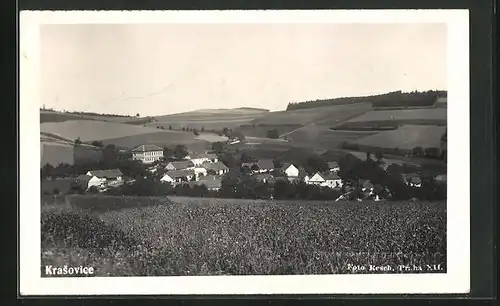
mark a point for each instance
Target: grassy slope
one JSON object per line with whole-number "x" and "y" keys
{"x": 406, "y": 137}
{"x": 48, "y": 116}
{"x": 195, "y": 236}
{"x": 210, "y": 119}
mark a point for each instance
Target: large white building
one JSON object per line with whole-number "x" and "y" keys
{"x": 147, "y": 153}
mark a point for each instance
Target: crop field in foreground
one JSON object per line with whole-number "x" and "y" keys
{"x": 196, "y": 236}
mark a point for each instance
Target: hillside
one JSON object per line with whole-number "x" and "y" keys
{"x": 52, "y": 116}
{"x": 392, "y": 99}
{"x": 209, "y": 119}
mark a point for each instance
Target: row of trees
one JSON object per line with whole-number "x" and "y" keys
{"x": 392, "y": 99}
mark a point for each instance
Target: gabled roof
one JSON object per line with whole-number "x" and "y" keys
{"x": 147, "y": 148}
{"x": 218, "y": 166}
{"x": 327, "y": 176}
{"x": 330, "y": 176}
{"x": 286, "y": 166}
{"x": 211, "y": 181}
{"x": 109, "y": 173}
{"x": 183, "y": 164}
{"x": 202, "y": 155}
{"x": 332, "y": 164}
{"x": 441, "y": 177}
{"x": 179, "y": 173}
{"x": 265, "y": 164}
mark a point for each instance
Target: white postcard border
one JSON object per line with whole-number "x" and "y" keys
{"x": 458, "y": 236}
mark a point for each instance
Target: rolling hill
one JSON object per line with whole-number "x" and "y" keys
{"x": 209, "y": 119}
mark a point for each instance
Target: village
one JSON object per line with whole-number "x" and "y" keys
{"x": 207, "y": 171}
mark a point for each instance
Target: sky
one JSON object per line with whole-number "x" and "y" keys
{"x": 158, "y": 69}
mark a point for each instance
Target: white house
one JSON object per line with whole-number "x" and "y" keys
{"x": 180, "y": 165}
{"x": 200, "y": 171}
{"x": 330, "y": 180}
{"x": 412, "y": 180}
{"x": 200, "y": 158}
{"x": 290, "y": 170}
{"x": 101, "y": 178}
{"x": 177, "y": 176}
{"x": 212, "y": 182}
{"x": 217, "y": 168}
{"x": 333, "y": 166}
{"x": 147, "y": 153}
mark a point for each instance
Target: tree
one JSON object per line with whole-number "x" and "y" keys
{"x": 316, "y": 164}
{"x": 97, "y": 144}
{"x": 78, "y": 141}
{"x": 225, "y": 131}
{"x": 432, "y": 152}
{"x": 203, "y": 129}
{"x": 418, "y": 151}
{"x": 183, "y": 128}
{"x": 167, "y": 152}
{"x": 195, "y": 132}
{"x": 137, "y": 115}
{"x": 379, "y": 155}
{"x": 218, "y": 147}
{"x": 273, "y": 134}
{"x": 170, "y": 127}
{"x": 180, "y": 151}
{"x": 109, "y": 155}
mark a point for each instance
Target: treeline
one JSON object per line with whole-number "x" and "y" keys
{"x": 392, "y": 99}
{"x": 50, "y": 109}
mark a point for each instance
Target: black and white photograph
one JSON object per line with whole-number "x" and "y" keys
{"x": 244, "y": 152}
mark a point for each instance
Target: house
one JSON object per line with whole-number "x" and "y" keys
{"x": 180, "y": 165}
{"x": 200, "y": 171}
{"x": 290, "y": 170}
{"x": 330, "y": 180}
{"x": 218, "y": 168}
{"x": 265, "y": 165}
{"x": 367, "y": 185}
{"x": 83, "y": 181}
{"x": 200, "y": 158}
{"x": 333, "y": 166}
{"x": 147, "y": 153}
{"x": 212, "y": 182}
{"x": 101, "y": 178}
{"x": 412, "y": 180}
{"x": 177, "y": 176}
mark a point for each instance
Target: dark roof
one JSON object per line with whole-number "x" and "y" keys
{"x": 147, "y": 148}
{"x": 110, "y": 173}
{"x": 332, "y": 164}
{"x": 183, "y": 164}
{"x": 215, "y": 166}
{"x": 265, "y": 164}
{"x": 180, "y": 173}
{"x": 329, "y": 176}
{"x": 202, "y": 155}
{"x": 211, "y": 181}
{"x": 287, "y": 165}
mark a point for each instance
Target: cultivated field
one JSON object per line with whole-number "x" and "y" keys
{"x": 48, "y": 116}
{"x": 196, "y": 236}
{"x": 406, "y": 137}
{"x": 123, "y": 135}
{"x": 210, "y": 119}
{"x": 431, "y": 115}
{"x": 321, "y": 136}
{"x": 325, "y": 115}
{"x": 261, "y": 130}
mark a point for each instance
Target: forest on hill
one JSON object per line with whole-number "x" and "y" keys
{"x": 391, "y": 99}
